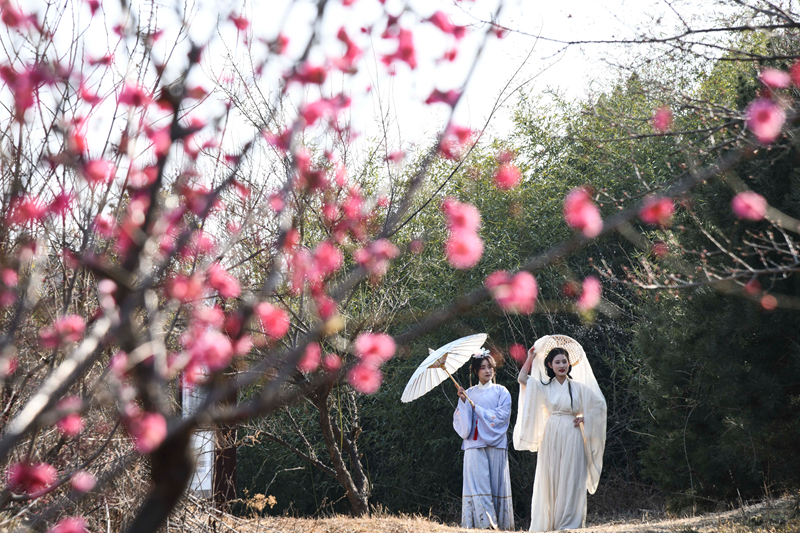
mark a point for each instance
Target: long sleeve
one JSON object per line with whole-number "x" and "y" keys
{"x": 493, "y": 422}
{"x": 594, "y": 416}
{"x": 462, "y": 419}
{"x": 531, "y": 416}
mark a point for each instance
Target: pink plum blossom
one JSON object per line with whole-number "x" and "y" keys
{"x": 331, "y": 362}
{"x": 31, "y": 478}
{"x": 657, "y": 211}
{"x": 374, "y": 348}
{"x": 662, "y": 119}
{"x": 514, "y": 294}
{"x": 794, "y": 73}
{"x": 148, "y": 431}
{"x": 405, "y": 50}
{"x": 134, "y": 95}
{"x": 69, "y": 328}
{"x": 749, "y": 205}
{"x": 461, "y": 216}
{"x": 659, "y": 249}
{"x": 240, "y": 22}
{"x": 507, "y": 177}
{"x": 211, "y": 348}
{"x": 310, "y": 360}
{"x": 590, "y": 296}
{"x": 765, "y": 119}
{"x": 24, "y": 209}
{"x": 274, "y": 320}
{"x": 184, "y": 288}
{"x": 105, "y": 225}
{"x": 463, "y": 249}
{"x": 377, "y": 256}
{"x": 82, "y": 481}
{"x": 71, "y": 524}
{"x": 98, "y": 172}
{"x": 442, "y": 21}
{"x": 220, "y": 280}
{"x": 774, "y": 78}
{"x": 365, "y": 378}
{"x": 72, "y": 423}
{"x": 441, "y": 97}
{"x": 518, "y": 352}
{"x": 580, "y": 213}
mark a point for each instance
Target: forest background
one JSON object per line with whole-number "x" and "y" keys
{"x": 257, "y": 270}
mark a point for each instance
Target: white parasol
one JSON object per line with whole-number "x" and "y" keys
{"x": 440, "y": 364}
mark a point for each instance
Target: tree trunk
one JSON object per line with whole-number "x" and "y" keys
{"x": 356, "y": 485}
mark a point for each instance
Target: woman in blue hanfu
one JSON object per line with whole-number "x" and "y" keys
{"x": 562, "y": 416}
{"x": 486, "y": 494}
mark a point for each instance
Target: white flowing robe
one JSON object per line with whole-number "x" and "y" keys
{"x": 568, "y": 464}
{"x": 486, "y": 492}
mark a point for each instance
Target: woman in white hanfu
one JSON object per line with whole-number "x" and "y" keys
{"x": 562, "y": 416}
{"x": 486, "y": 493}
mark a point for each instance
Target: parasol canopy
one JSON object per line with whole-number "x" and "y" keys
{"x": 440, "y": 364}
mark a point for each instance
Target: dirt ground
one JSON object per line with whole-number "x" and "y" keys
{"x": 775, "y": 516}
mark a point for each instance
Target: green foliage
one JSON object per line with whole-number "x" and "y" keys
{"x": 721, "y": 384}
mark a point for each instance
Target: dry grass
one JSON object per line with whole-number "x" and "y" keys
{"x": 775, "y": 516}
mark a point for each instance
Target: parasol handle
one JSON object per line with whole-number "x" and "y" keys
{"x": 458, "y": 386}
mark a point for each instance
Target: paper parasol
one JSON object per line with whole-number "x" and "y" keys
{"x": 440, "y": 364}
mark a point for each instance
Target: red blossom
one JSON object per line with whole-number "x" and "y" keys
{"x": 659, "y": 249}
{"x": 463, "y": 249}
{"x": 71, "y": 524}
{"x": 405, "y": 50}
{"x": 135, "y": 95}
{"x": 148, "y": 431}
{"x": 449, "y": 97}
{"x": 69, "y": 328}
{"x": 61, "y": 204}
{"x": 185, "y": 289}
{"x": 518, "y": 352}
{"x": 347, "y": 63}
{"x": 794, "y": 73}
{"x": 220, "y": 280}
{"x": 331, "y": 362}
{"x": 99, "y": 171}
{"x": 461, "y": 216}
{"x": 365, "y": 378}
{"x": 774, "y": 78}
{"x": 657, "y": 211}
{"x": 105, "y": 225}
{"x": 24, "y": 209}
{"x": 274, "y": 320}
{"x": 94, "y": 5}
{"x": 308, "y": 74}
{"x": 70, "y": 424}
{"x": 590, "y": 296}
{"x": 279, "y": 44}
{"x": 311, "y": 357}
{"x": 88, "y": 96}
{"x": 82, "y": 481}
{"x": 240, "y": 22}
{"x": 442, "y": 21}
{"x": 374, "y": 348}
{"x": 30, "y": 478}
{"x": 377, "y": 256}
{"x": 749, "y": 205}
{"x": 514, "y": 294}
{"x": 765, "y": 119}
{"x": 507, "y": 177}
{"x": 212, "y": 349}
{"x": 662, "y": 119}
{"x": 580, "y": 213}
{"x": 455, "y": 141}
